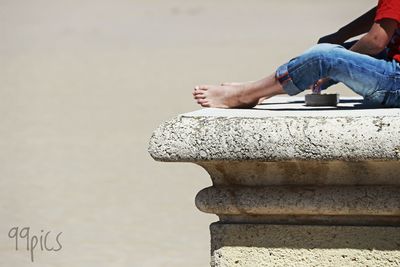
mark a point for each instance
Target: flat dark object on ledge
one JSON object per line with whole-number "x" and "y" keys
{"x": 317, "y": 100}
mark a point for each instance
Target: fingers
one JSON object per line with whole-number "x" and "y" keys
{"x": 322, "y": 81}
{"x": 316, "y": 87}
{"x": 319, "y": 83}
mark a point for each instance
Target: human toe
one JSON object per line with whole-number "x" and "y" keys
{"x": 203, "y": 102}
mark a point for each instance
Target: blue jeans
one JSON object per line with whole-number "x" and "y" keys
{"x": 377, "y": 80}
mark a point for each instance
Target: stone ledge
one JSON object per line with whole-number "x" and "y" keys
{"x": 321, "y": 173}
{"x": 295, "y": 200}
{"x": 293, "y": 185}
{"x": 272, "y": 134}
{"x": 303, "y": 245}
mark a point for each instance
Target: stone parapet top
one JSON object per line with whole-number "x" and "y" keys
{"x": 295, "y": 107}
{"x": 281, "y": 129}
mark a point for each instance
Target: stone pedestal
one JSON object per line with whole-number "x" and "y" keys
{"x": 294, "y": 185}
{"x": 303, "y": 245}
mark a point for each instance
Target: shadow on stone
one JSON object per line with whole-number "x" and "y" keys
{"x": 345, "y": 104}
{"x": 304, "y": 237}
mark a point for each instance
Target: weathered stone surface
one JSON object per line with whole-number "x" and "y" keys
{"x": 322, "y": 173}
{"x": 294, "y": 185}
{"x": 305, "y": 200}
{"x": 280, "y": 133}
{"x": 303, "y": 245}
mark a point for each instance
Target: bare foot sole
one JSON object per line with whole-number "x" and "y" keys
{"x": 224, "y": 96}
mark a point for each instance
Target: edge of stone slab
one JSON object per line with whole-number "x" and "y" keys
{"x": 196, "y": 138}
{"x": 285, "y": 106}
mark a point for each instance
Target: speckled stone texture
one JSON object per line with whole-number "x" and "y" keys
{"x": 294, "y": 185}
{"x": 349, "y": 134}
{"x": 308, "y": 200}
{"x": 303, "y": 245}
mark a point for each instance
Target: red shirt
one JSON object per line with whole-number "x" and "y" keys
{"x": 390, "y": 9}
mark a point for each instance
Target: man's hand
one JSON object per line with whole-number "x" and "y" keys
{"x": 363, "y": 24}
{"x": 318, "y": 85}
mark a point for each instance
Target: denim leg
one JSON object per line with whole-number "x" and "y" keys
{"x": 378, "y": 81}
{"x": 348, "y": 45}
{"x": 330, "y": 81}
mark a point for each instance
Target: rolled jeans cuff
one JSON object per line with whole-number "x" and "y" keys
{"x": 282, "y": 75}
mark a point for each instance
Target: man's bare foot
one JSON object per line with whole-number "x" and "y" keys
{"x": 225, "y": 96}
{"x": 237, "y": 95}
{"x": 238, "y": 84}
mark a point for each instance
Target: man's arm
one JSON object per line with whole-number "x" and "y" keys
{"x": 374, "y": 41}
{"x": 377, "y": 38}
{"x": 356, "y": 27}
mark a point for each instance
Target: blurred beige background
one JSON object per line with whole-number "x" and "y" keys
{"x": 82, "y": 86}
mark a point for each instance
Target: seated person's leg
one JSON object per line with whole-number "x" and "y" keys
{"x": 382, "y": 55}
{"x": 365, "y": 75}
